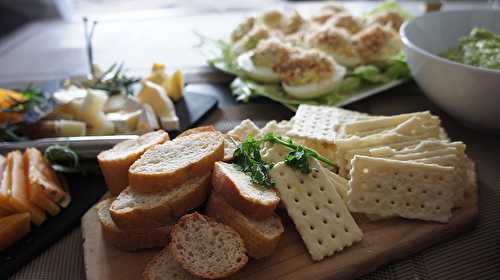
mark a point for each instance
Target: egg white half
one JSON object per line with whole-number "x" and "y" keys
{"x": 259, "y": 73}
{"x": 318, "y": 88}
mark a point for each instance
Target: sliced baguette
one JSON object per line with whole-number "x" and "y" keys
{"x": 261, "y": 237}
{"x": 144, "y": 210}
{"x": 164, "y": 267}
{"x": 254, "y": 201}
{"x": 197, "y": 130}
{"x": 206, "y": 248}
{"x": 166, "y": 166}
{"x": 115, "y": 162}
{"x": 130, "y": 240}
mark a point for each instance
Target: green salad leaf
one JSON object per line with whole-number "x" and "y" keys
{"x": 389, "y": 5}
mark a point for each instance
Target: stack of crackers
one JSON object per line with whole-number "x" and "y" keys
{"x": 385, "y": 166}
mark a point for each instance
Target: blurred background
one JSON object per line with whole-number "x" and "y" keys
{"x": 44, "y": 39}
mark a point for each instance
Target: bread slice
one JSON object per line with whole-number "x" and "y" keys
{"x": 115, "y": 162}
{"x": 206, "y": 248}
{"x": 168, "y": 165}
{"x": 130, "y": 240}
{"x": 237, "y": 189}
{"x": 197, "y": 130}
{"x": 144, "y": 210}
{"x": 261, "y": 237}
{"x": 13, "y": 228}
{"x": 164, "y": 267}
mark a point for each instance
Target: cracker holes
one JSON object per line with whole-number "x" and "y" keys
{"x": 282, "y": 174}
{"x": 379, "y": 186}
{"x": 440, "y": 193}
{"x": 330, "y": 201}
{"x": 394, "y": 188}
{"x": 408, "y": 204}
{"x": 337, "y": 215}
{"x": 315, "y": 176}
{"x": 288, "y": 187}
{"x": 346, "y": 229}
{"x": 362, "y": 198}
{"x": 301, "y": 181}
{"x": 322, "y": 188}
{"x": 309, "y": 194}
{"x": 438, "y": 207}
{"x": 426, "y": 177}
{"x": 320, "y": 242}
{"x": 422, "y": 206}
{"x": 296, "y": 200}
{"x": 409, "y": 189}
{"x": 411, "y": 175}
{"x": 304, "y": 213}
{"x": 311, "y": 227}
{"x": 316, "y": 207}
{"x": 333, "y": 236}
{"x": 377, "y": 200}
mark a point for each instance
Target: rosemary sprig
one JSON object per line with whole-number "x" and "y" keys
{"x": 249, "y": 160}
{"x": 63, "y": 159}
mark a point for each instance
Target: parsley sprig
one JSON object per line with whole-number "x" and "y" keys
{"x": 248, "y": 159}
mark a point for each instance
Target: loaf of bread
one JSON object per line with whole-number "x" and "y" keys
{"x": 206, "y": 248}
{"x": 115, "y": 162}
{"x": 237, "y": 189}
{"x": 261, "y": 237}
{"x": 130, "y": 240}
{"x": 132, "y": 209}
{"x": 170, "y": 164}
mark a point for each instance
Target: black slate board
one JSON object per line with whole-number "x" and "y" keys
{"x": 85, "y": 192}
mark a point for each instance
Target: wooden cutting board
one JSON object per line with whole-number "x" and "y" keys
{"x": 383, "y": 242}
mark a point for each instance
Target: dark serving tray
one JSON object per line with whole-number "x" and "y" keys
{"x": 85, "y": 191}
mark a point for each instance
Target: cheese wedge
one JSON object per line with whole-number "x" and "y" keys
{"x": 20, "y": 197}
{"x": 147, "y": 120}
{"x": 155, "y": 96}
{"x": 13, "y": 228}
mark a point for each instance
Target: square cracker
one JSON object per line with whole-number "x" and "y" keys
{"x": 319, "y": 214}
{"x": 319, "y": 123}
{"x": 407, "y": 189}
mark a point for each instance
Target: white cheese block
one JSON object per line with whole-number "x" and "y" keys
{"x": 147, "y": 120}
{"x": 68, "y": 128}
{"x": 245, "y": 129}
{"x": 124, "y": 122}
{"x": 154, "y": 95}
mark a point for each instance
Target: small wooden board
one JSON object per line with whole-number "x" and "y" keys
{"x": 383, "y": 242}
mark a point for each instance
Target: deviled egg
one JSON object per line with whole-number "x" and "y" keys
{"x": 347, "y": 21}
{"x": 337, "y": 43}
{"x": 242, "y": 29}
{"x": 309, "y": 74}
{"x": 250, "y": 40}
{"x": 392, "y": 19}
{"x": 326, "y": 12}
{"x": 260, "y": 63}
{"x": 273, "y": 18}
{"x": 377, "y": 43}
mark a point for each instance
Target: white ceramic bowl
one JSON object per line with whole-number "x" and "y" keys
{"x": 469, "y": 93}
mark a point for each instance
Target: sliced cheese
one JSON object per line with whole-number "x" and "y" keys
{"x": 20, "y": 199}
{"x": 123, "y": 121}
{"x": 13, "y": 228}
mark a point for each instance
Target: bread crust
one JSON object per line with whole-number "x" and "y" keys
{"x": 155, "y": 182}
{"x": 131, "y": 240}
{"x": 229, "y": 189}
{"x": 115, "y": 171}
{"x": 168, "y": 211}
{"x": 258, "y": 243}
{"x": 197, "y": 130}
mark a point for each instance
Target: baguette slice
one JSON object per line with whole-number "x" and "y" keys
{"x": 168, "y": 165}
{"x": 206, "y": 248}
{"x": 115, "y": 162}
{"x": 164, "y": 267}
{"x": 145, "y": 210}
{"x": 209, "y": 128}
{"x": 20, "y": 196}
{"x": 130, "y": 240}
{"x": 13, "y": 228}
{"x": 254, "y": 201}
{"x": 261, "y": 237}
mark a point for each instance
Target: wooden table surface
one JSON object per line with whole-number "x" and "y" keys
{"x": 52, "y": 50}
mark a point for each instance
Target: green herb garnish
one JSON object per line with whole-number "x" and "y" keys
{"x": 248, "y": 159}
{"x": 63, "y": 159}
